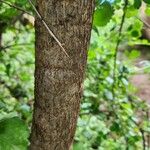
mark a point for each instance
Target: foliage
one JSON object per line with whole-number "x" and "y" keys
{"x": 105, "y": 9}
{"x": 106, "y": 121}
{"x": 16, "y": 77}
{"x": 13, "y": 134}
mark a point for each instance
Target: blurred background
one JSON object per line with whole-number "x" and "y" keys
{"x": 114, "y": 111}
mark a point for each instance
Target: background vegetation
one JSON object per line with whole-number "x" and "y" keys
{"x": 111, "y": 116}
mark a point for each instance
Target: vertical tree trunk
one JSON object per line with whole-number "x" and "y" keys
{"x": 58, "y": 79}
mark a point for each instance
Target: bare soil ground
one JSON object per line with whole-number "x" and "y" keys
{"x": 142, "y": 83}
{"x": 142, "y": 80}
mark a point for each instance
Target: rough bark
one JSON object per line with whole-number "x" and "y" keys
{"x": 58, "y": 79}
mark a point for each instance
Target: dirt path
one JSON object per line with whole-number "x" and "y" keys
{"x": 142, "y": 80}
{"x": 142, "y": 83}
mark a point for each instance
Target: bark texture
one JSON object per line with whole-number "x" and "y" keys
{"x": 58, "y": 79}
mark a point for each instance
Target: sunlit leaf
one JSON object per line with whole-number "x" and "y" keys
{"x": 137, "y": 3}
{"x": 103, "y": 14}
{"x": 147, "y": 1}
{"x": 13, "y": 134}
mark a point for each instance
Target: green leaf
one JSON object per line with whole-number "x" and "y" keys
{"x": 135, "y": 33}
{"x": 131, "y": 11}
{"x": 137, "y": 3}
{"x": 13, "y": 134}
{"x": 147, "y": 1}
{"x": 108, "y": 95}
{"x": 103, "y": 14}
{"x": 134, "y": 54}
{"x": 78, "y": 146}
{"x": 98, "y": 2}
{"x": 20, "y": 3}
{"x": 147, "y": 11}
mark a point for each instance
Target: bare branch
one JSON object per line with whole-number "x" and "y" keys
{"x": 16, "y": 7}
{"x": 143, "y": 139}
{"x": 13, "y": 45}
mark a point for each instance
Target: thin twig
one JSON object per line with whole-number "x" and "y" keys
{"x": 148, "y": 136}
{"x": 127, "y": 143}
{"x": 13, "y": 45}
{"x": 44, "y": 23}
{"x": 143, "y": 139}
{"x": 117, "y": 47}
{"x": 16, "y": 7}
{"x": 142, "y": 131}
{"x": 48, "y": 29}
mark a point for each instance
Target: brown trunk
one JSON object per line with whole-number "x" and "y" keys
{"x": 58, "y": 79}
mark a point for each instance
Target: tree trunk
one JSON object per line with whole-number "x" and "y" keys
{"x": 58, "y": 79}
